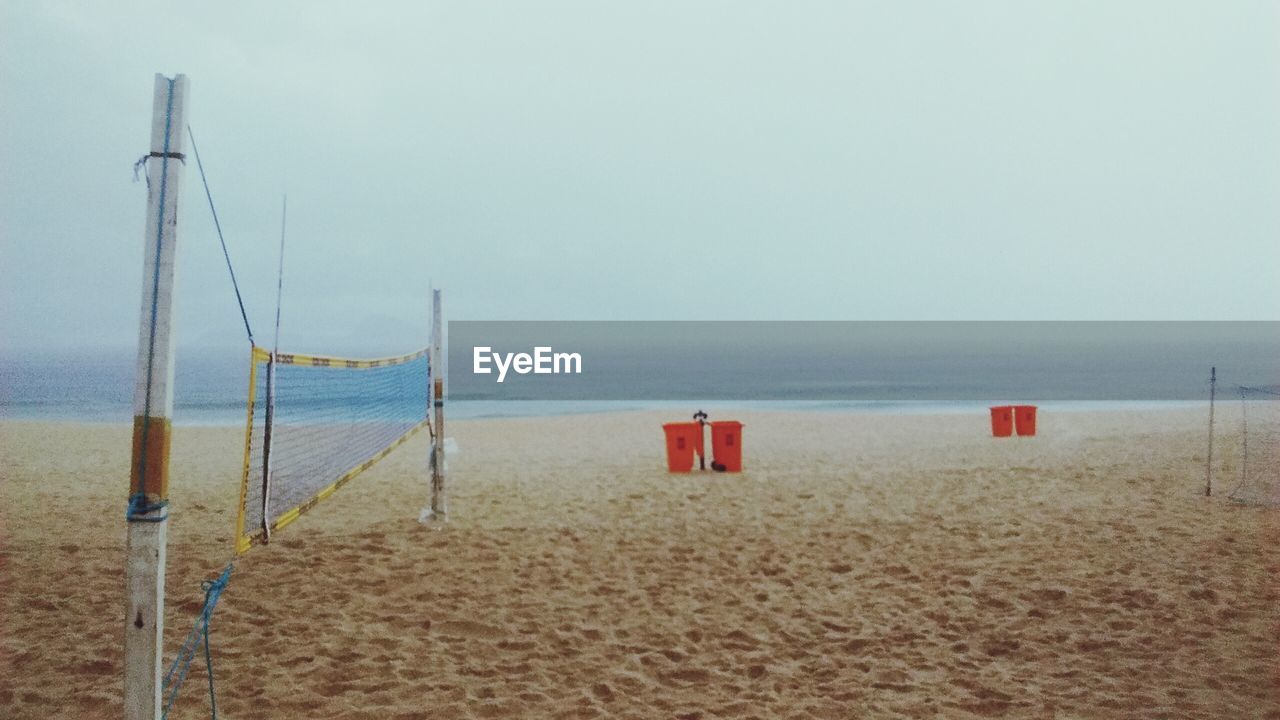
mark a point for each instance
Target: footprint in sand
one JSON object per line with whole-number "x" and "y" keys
{"x": 470, "y": 630}
{"x": 689, "y": 675}
{"x": 739, "y": 640}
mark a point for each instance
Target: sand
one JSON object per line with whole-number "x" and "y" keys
{"x": 862, "y": 566}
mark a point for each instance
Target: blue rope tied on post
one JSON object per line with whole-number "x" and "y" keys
{"x": 177, "y": 672}
{"x": 139, "y": 510}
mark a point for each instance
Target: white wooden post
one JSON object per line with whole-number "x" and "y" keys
{"x": 439, "y": 510}
{"x": 152, "y": 408}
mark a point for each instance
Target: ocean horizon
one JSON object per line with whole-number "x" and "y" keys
{"x": 211, "y": 390}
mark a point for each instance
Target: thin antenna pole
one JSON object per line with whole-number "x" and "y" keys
{"x": 1208, "y": 463}
{"x": 271, "y": 385}
{"x": 1244, "y": 430}
{"x": 284, "y": 214}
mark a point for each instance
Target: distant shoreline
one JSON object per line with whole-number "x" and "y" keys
{"x": 465, "y": 410}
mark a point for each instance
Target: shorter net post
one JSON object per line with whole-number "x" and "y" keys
{"x": 438, "y": 510}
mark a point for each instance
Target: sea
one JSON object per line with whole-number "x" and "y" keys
{"x": 211, "y": 386}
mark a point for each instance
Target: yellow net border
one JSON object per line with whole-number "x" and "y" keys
{"x": 263, "y": 355}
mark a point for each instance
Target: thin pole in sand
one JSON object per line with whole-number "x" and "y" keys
{"x": 439, "y": 511}
{"x": 1208, "y": 463}
{"x": 271, "y": 386}
{"x": 1244, "y": 440}
{"x": 148, "y": 514}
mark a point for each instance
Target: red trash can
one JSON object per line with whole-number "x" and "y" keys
{"x": 1024, "y": 419}
{"x": 1002, "y": 421}
{"x": 682, "y": 438}
{"x": 726, "y": 445}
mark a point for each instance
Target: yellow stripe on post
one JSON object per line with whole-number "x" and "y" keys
{"x": 150, "y": 475}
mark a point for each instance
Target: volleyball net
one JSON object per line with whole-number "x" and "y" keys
{"x": 1243, "y": 456}
{"x": 1252, "y": 446}
{"x": 313, "y": 423}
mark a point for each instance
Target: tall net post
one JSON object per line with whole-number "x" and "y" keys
{"x": 147, "y": 514}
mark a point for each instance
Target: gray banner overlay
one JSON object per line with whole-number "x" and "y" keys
{"x": 857, "y": 361}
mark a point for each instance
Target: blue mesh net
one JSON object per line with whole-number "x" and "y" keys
{"x": 332, "y": 418}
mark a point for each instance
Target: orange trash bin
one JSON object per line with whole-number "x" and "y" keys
{"x": 1024, "y": 419}
{"x": 726, "y": 445}
{"x": 1002, "y": 421}
{"x": 682, "y": 439}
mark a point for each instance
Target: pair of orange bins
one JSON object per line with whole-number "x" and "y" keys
{"x": 1005, "y": 418}
{"x": 686, "y": 438}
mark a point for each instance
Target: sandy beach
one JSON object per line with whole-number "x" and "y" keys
{"x": 861, "y": 566}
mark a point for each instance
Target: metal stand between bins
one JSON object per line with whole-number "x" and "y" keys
{"x": 700, "y": 417}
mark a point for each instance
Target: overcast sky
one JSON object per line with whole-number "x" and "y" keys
{"x": 641, "y": 160}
